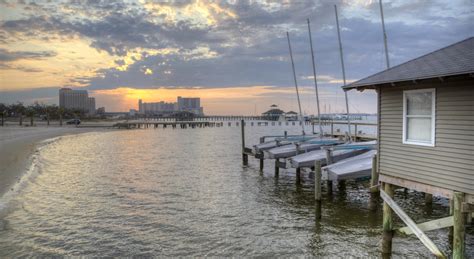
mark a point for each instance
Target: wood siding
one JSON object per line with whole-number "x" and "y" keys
{"x": 450, "y": 163}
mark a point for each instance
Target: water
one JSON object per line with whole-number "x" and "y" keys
{"x": 165, "y": 192}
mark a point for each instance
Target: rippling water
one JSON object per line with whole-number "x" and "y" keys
{"x": 184, "y": 193}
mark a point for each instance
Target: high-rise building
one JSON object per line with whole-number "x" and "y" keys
{"x": 192, "y": 104}
{"x": 183, "y": 104}
{"x": 76, "y": 99}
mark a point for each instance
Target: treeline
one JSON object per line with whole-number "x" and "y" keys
{"x": 43, "y": 111}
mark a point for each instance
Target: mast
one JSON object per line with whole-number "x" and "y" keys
{"x": 315, "y": 81}
{"x": 384, "y": 35}
{"x": 343, "y": 73}
{"x": 296, "y": 83}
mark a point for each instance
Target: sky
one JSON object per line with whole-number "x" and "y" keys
{"x": 232, "y": 54}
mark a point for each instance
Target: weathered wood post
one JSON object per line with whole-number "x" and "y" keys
{"x": 374, "y": 176}
{"x": 374, "y": 188}
{"x": 317, "y": 187}
{"x": 262, "y": 139}
{"x": 451, "y": 229}
{"x": 387, "y": 221}
{"x": 277, "y": 168}
{"x": 245, "y": 158}
{"x": 328, "y": 162}
{"x": 298, "y": 175}
{"x": 428, "y": 199}
{"x": 459, "y": 229}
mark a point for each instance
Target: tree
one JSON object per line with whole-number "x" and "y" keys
{"x": 60, "y": 113}
{"x": 3, "y": 111}
{"x": 18, "y": 109}
{"x": 30, "y": 112}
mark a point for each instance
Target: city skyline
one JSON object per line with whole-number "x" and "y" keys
{"x": 232, "y": 55}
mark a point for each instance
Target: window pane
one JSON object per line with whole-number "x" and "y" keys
{"x": 419, "y": 103}
{"x": 419, "y": 129}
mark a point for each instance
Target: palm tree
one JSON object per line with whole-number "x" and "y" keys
{"x": 19, "y": 110}
{"x": 3, "y": 111}
{"x": 61, "y": 112}
{"x": 30, "y": 112}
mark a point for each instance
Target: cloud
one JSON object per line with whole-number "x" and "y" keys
{"x": 6, "y": 55}
{"x": 208, "y": 44}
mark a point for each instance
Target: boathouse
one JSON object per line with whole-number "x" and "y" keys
{"x": 426, "y": 135}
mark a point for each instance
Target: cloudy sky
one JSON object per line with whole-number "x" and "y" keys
{"x": 233, "y": 54}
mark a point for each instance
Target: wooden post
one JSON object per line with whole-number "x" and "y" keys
{"x": 298, "y": 175}
{"x": 387, "y": 222}
{"x": 328, "y": 162}
{"x": 317, "y": 180}
{"x": 245, "y": 158}
{"x": 374, "y": 178}
{"x": 428, "y": 199}
{"x": 262, "y": 139}
{"x": 277, "y": 169}
{"x": 459, "y": 222}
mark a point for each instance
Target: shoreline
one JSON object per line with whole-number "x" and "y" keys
{"x": 18, "y": 146}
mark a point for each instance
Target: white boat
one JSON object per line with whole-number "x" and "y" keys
{"x": 340, "y": 152}
{"x": 298, "y": 148}
{"x": 281, "y": 141}
{"x": 351, "y": 168}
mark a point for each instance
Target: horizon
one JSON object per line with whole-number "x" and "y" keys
{"x": 232, "y": 55}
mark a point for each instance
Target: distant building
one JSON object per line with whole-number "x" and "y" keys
{"x": 273, "y": 114}
{"x": 192, "y": 105}
{"x": 132, "y": 112}
{"x": 101, "y": 110}
{"x": 291, "y": 116}
{"x": 76, "y": 99}
{"x": 156, "y": 108}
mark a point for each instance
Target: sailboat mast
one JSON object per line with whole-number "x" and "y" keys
{"x": 296, "y": 83}
{"x": 315, "y": 81}
{"x": 384, "y": 35}
{"x": 343, "y": 73}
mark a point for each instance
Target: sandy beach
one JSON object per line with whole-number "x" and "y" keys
{"x": 18, "y": 144}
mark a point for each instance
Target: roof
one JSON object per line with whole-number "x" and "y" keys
{"x": 291, "y": 112}
{"x": 455, "y": 59}
{"x": 274, "y": 111}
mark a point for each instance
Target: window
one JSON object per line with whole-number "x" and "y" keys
{"x": 419, "y": 117}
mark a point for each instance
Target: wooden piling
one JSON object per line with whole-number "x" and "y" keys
{"x": 428, "y": 199}
{"x": 374, "y": 178}
{"x": 387, "y": 222}
{"x": 328, "y": 162}
{"x": 298, "y": 175}
{"x": 459, "y": 226}
{"x": 317, "y": 180}
{"x": 245, "y": 158}
{"x": 277, "y": 169}
{"x": 262, "y": 139}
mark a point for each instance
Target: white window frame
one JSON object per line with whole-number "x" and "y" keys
{"x": 432, "y": 116}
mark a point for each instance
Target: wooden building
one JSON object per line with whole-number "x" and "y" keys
{"x": 426, "y": 135}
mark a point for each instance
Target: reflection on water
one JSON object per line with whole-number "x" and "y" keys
{"x": 184, "y": 193}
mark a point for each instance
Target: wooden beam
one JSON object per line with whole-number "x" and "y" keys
{"x": 412, "y": 225}
{"x": 417, "y": 186}
{"x": 428, "y": 226}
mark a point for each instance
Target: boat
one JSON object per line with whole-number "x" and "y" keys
{"x": 281, "y": 141}
{"x": 359, "y": 166}
{"x": 339, "y": 152}
{"x": 298, "y": 148}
